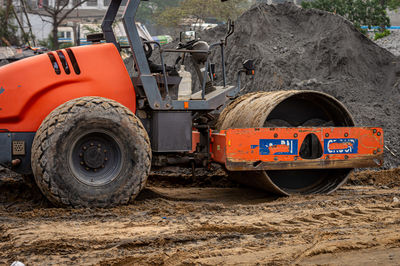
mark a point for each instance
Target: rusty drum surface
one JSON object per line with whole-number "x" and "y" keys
{"x": 290, "y": 108}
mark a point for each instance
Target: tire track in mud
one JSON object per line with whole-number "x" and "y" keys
{"x": 204, "y": 225}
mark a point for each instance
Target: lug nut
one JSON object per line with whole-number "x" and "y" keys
{"x": 102, "y": 166}
{"x": 84, "y": 148}
{"x": 105, "y": 151}
{"x": 91, "y": 144}
{"x": 81, "y": 163}
{"x": 87, "y": 168}
{"x": 80, "y": 154}
{"x": 106, "y": 159}
{"x": 99, "y": 145}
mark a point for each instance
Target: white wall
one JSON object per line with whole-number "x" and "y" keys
{"x": 394, "y": 17}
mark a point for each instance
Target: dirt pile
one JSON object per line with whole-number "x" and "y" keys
{"x": 17, "y": 190}
{"x": 296, "y": 48}
{"x": 384, "y": 179}
{"x": 9, "y": 55}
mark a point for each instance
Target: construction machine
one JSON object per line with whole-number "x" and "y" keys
{"x": 89, "y": 132}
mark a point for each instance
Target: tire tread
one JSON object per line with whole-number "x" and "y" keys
{"x": 55, "y": 121}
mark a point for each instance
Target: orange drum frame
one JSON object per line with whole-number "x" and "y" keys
{"x": 279, "y": 148}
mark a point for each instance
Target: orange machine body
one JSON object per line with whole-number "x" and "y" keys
{"x": 31, "y": 88}
{"x": 279, "y": 148}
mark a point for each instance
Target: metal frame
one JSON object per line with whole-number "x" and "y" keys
{"x": 8, "y": 156}
{"x": 155, "y": 100}
{"x": 254, "y": 149}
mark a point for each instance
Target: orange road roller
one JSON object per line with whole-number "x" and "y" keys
{"x": 89, "y": 132}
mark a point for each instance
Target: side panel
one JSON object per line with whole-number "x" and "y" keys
{"x": 31, "y": 88}
{"x": 280, "y": 148}
{"x": 171, "y": 131}
{"x": 16, "y": 146}
{"x": 5, "y": 148}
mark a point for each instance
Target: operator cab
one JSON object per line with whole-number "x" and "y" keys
{"x": 192, "y": 59}
{"x": 154, "y": 82}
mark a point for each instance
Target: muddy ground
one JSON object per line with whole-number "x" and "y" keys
{"x": 208, "y": 221}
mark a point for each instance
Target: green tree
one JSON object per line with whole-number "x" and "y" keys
{"x": 58, "y": 12}
{"x": 148, "y": 10}
{"x": 200, "y": 10}
{"x": 360, "y": 12}
{"x": 392, "y": 4}
{"x": 8, "y": 29}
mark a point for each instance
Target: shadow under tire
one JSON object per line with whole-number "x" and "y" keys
{"x": 91, "y": 152}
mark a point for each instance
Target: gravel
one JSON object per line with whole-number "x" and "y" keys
{"x": 391, "y": 42}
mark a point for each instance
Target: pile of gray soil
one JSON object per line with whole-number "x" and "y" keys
{"x": 9, "y": 54}
{"x": 295, "y": 48}
{"x": 391, "y": 42}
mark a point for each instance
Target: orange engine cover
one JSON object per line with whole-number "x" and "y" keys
{"x": 31, "y": 88}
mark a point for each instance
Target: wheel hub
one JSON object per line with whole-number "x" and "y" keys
{"x": 94, "y": 157}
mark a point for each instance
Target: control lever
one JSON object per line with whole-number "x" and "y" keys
{"x": 231, "y": 30}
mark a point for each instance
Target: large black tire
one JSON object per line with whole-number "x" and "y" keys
{"x": 91, "y": 152}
